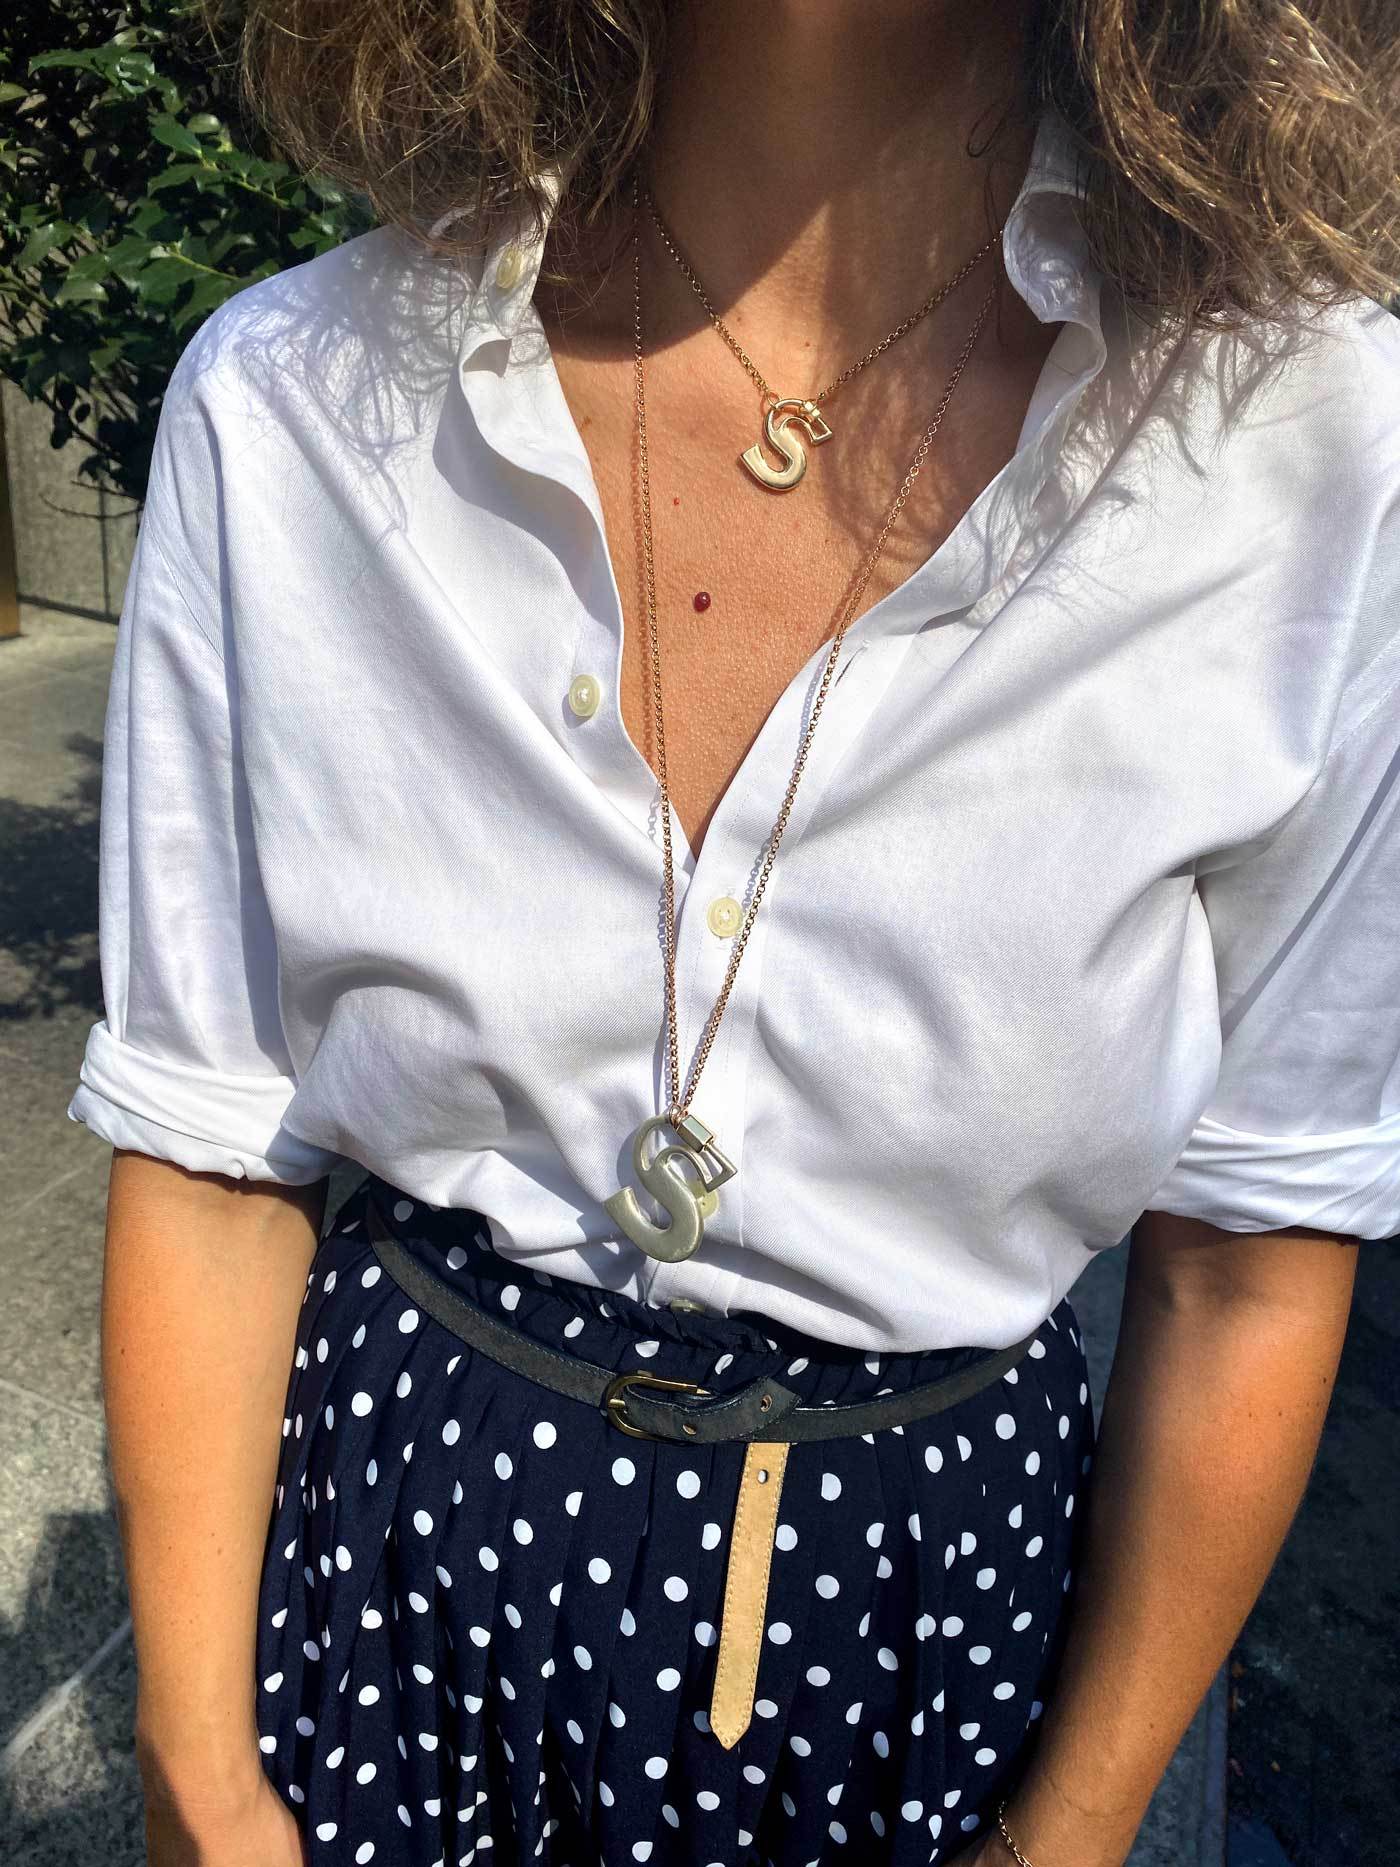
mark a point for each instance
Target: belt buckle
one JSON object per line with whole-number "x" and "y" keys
{"x": 615, "y": 1397}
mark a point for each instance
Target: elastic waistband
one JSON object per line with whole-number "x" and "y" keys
{"x": 456, "y": 1242}
{"x": 762, "y": 1408}
{"x": 452, "y": 1245}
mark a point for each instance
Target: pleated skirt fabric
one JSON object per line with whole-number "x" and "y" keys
{"x": 488, "y": 1619}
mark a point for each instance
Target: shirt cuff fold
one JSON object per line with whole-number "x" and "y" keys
{"x": 1347, "y": 1182}
{"x": 202, "y": 1120}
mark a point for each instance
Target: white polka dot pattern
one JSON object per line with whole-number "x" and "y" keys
{"x": 503, "y": 1648}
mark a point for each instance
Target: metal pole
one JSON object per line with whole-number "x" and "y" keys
{"x": 9, "y": 581}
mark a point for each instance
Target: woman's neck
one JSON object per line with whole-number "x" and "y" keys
{"x": 812, "y": 156}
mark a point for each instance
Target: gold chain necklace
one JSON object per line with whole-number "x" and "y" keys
{"x": 785, "y": 414}
{"x": 689, "y": 1203}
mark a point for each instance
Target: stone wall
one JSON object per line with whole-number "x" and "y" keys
{"x": 72, "y": 543}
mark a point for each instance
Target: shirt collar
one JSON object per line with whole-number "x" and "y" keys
{"x": 1043, "y": 248}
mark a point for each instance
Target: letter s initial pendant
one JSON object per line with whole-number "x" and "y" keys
{"x": 688, "y": 1205}
{"x": 779, "y": 428}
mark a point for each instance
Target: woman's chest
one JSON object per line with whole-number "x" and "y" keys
{"x": 747, "y": 583}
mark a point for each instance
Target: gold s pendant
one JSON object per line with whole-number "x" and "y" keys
{"x": 780, "y": 432}
{"x": 688, "y": 1203}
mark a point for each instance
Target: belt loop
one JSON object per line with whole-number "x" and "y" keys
{"x": 746, "y": 1588}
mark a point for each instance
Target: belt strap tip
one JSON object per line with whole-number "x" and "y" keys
{"x": 746, "y": 1589}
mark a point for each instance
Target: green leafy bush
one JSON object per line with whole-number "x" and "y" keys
{"x": 133, "y": 200}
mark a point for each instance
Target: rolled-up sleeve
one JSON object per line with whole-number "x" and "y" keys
{"x": 1303, "y": 1128}
{"x": 189, "y": 1062}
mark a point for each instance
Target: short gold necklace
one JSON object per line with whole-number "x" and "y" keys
{"x": 690, "y": 1202}
{"x": 786, "y": 414}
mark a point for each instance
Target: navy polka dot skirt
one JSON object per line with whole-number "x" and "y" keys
{"x": 488, "y": 1618}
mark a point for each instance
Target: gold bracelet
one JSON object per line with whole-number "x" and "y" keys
{"x": 1006, "y": 1836}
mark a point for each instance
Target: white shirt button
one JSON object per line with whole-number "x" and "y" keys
{"x": 724, "y": 916}
{"x": 509, "y": 268}
{"x": 585, "y": 695}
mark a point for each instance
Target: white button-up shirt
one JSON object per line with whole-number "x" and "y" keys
{"x": 1087, "y": 903}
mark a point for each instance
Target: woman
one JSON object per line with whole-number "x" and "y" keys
{"x": 776, "y": 707}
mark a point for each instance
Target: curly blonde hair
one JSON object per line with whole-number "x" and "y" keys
{"x": 1237, "y": 156}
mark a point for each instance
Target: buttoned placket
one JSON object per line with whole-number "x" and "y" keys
{"x": 970, "y": 571}
{"x": 730, "y": 858}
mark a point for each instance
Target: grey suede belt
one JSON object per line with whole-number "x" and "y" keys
{"x": 764, "y": 1409}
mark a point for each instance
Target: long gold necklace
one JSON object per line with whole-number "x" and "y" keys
{"x": 788, "y": 417}
{"x": 690, "y": 1202}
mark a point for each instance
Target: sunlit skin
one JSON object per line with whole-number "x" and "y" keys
{"x": 835, "y": 126}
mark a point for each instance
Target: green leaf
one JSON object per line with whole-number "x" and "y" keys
{"x": 133, "y": 67}
{"x": 64, "y": 61}
{"x": 147, "y": 216}
{"x": 81, "y": 292}
{"x": 229, "y": 241}
{"x": 204, "y": 124}
{"x": 130, "y": 250}
{"x": 9, "y": 92}
{"x": 175, "y": 136}
{"x": 258, "y": 170}
{"x": 158, "y": 282}
{"x": 207, "y": 294}
{"x": 91, "y": 266}
{"x": 195, "y": 248}
{"x": 177, "y": 174}
{"x": 42, "y": 242}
